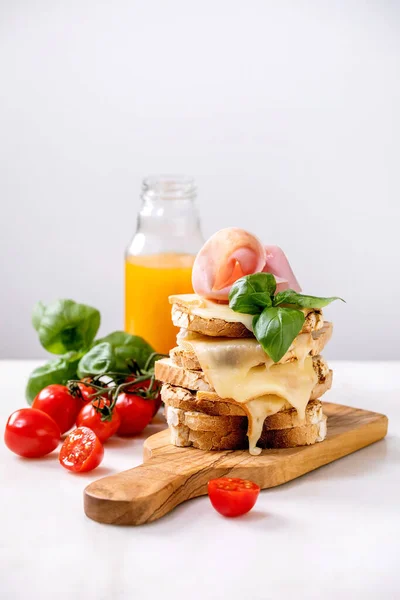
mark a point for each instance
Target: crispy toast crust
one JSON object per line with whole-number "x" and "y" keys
{"x": 186, "y": 401}
{"x": 189, "y": 428}
{"x": 183, "y": 317}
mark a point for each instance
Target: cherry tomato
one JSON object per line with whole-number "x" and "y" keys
{"x": 232, "y": 497}
{"x": 86, "y": 391}
{"x": 31, "y": 433}
{"x": 135, "y": 413}
{"x": 81, "y": 451}
{"x": 140, "y": 385}
{"x": 89, "y": 417}
{"x": 56, "y": 401}
{"x": 144, "y": 386}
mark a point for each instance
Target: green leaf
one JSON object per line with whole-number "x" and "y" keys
{"x": 59, "y": 370}
{"x": 113, "y": 353}
{"x": 127, "y": 347}
{"x": 252, "y": 293}
{"x": 66, "y": 326}
{"x": 37, "y": 314}
{"x": 99, "y": 359}
{"x": 276, "y": 328}
{"x": 292, "y": 297}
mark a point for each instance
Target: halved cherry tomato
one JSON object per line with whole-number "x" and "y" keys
{"x": 135, "y": 413}
{"x": 90, "y": 417}
{"x": 81, "y": 451}
{"x": 56, "y": 401}
{"x": 31, "y": 433}
{"x": 232, "y": 497}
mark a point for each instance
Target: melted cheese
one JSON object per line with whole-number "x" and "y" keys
{"x": 241, "y": 370}
{"x": 201, "y": 307}
{"x": 223, "y": 312}
{"x": 236, "y": 351}
{"x": 259, "y": 409}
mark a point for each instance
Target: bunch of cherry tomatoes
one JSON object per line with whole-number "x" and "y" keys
{"x": 98, "y": 410}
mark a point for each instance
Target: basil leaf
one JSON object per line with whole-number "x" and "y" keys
{"x": 292, "y": 297}
{"x": 252, "y": 293}
{"x": 98, "y": 360}
{"x": 37, "y": 314}
{"x": 113, "y": 353}
{"x": 276, "y": 328}
{"x": 66, "y": 325}
{"x": 59, "y": 370}
{"x": 127, "y": 347}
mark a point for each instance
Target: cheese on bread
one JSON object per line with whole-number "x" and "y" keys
{"x": 209, "y": 318}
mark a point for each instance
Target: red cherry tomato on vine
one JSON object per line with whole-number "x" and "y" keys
{"x": 81, "y": 451}
{"x": 56, "y": 401}
{"x": 90, "y": 417}
{"x": 232, "y": 497}
{"x": 143, "y": 386}
{"x": 135, "y": 413}
{"x": 31, "y": 433}
{"x": 140, "y": 385}
{"x": 86, "y": 391}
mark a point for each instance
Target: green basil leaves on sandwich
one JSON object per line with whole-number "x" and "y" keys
{"x": 277, "y": 319}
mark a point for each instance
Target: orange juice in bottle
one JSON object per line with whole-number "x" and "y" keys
{"x": 159, "y": 260}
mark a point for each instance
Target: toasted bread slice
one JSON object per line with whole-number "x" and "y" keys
{"x": 183, "y": 357}
{"x": 212, "y": 404}
{"x": 189, "y": 428}
{"x": 167, "y": 372}
{"x": 184, "y": 316}
{"x": 186, "y": 401}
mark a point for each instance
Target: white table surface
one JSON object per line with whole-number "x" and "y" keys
{"x": 331, "y": 534}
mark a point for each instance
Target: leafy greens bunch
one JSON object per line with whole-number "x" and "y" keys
{"x": 67, "y": 328}
{"x": 277, "y": 318}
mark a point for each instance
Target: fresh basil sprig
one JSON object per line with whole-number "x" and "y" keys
{"x": 68, "y": 329}
{"x": 295, "y": 299}
{"x": 253, "y": 293}
{"x": 275, "y": 326}
{"x": 115, "y": 352}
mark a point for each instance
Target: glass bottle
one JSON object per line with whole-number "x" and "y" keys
{"x": 158, "y": 261}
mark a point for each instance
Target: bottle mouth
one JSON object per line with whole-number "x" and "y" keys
{"x": 169, "y": 187}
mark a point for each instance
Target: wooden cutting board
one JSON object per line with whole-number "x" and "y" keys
{"x": 171, "y": 475}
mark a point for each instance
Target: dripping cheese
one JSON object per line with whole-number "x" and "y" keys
{"x": 240, "y": 369}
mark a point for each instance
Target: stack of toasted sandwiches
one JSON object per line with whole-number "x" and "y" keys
{"x": 222, "y": 391}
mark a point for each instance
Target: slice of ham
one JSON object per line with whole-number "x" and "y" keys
{"x": 278, "y": 265}
{"x": 225, "y": 257}
{"x": 281, "y": 284}
{"x": 232, "y": 253}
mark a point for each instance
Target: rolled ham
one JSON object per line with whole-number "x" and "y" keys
{"x": 232, "y": 253}
{"x": 278, "y": 265}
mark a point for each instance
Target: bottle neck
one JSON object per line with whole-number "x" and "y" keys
{"x": 165, "y": 188}
{"x": 168, "y": 206}
{"x": 168, "y": 219}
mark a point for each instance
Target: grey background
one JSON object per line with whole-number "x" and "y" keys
{"x": 287, "y": 113}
